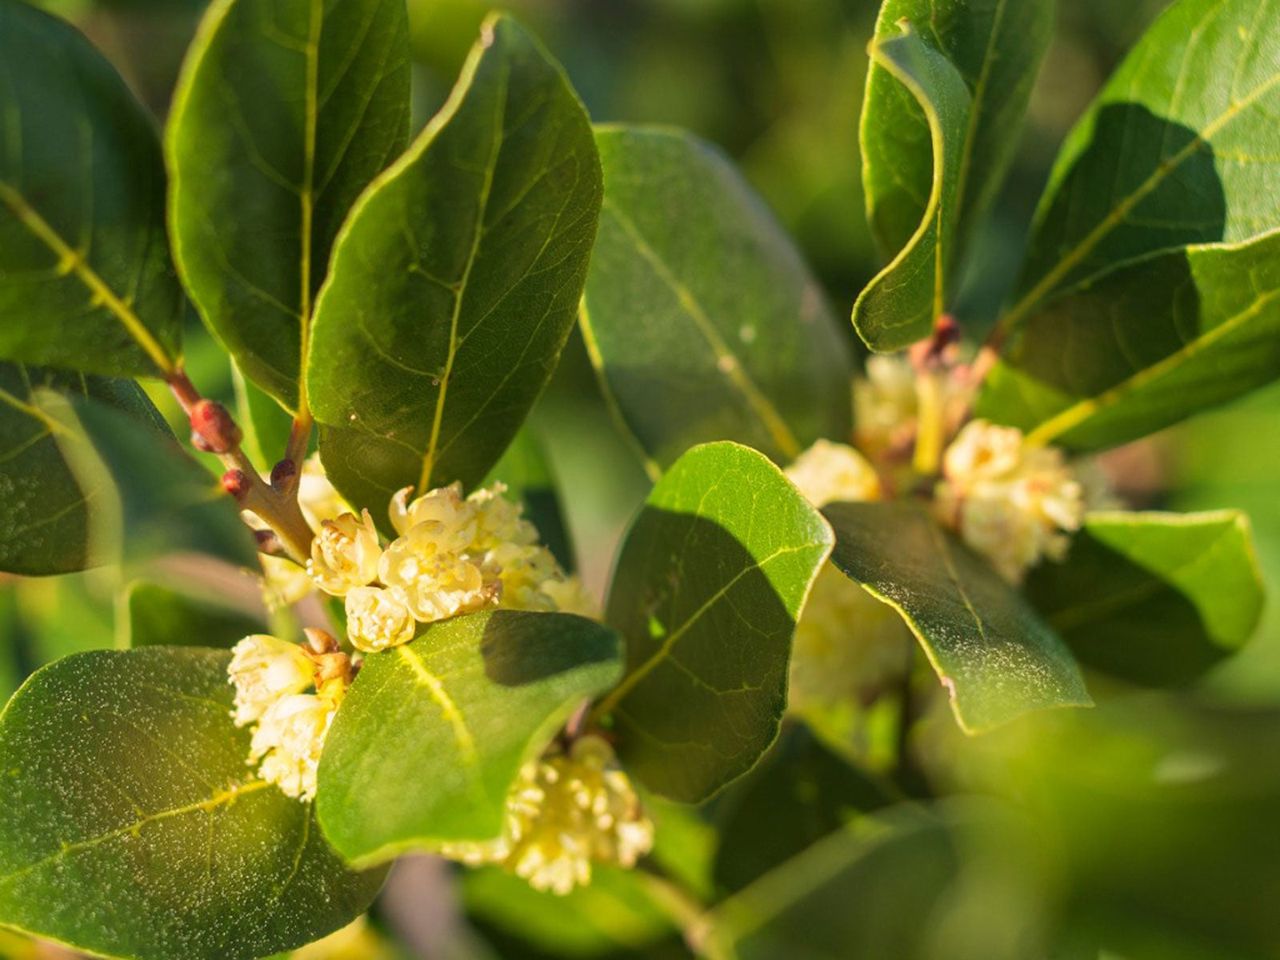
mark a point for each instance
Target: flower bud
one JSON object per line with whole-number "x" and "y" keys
{"x": 236, "y": 483}
{"x": 264, "y": 669}
{"x": 211, "y": 421}
{"x": 345, "y": 554}
{"x": 377, "y": 619}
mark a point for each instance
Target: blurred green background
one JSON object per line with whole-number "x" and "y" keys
{"x": 778, "y": 84}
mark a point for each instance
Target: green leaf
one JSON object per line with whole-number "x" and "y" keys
{"x": 132, "y": 826}
{"x": 44, "y": 524}
{"x": 149, "y": 497}
{"x": 994, "y": 655}
{"x": 902, "y": 302}
{"x": 156, "y": 615}
{"x": 432, "y": 734}
{"x": 996, "y": 46}
{"x": 800, "y": 793}
{"x": 1155, "y": 598}
{"x": 83, "y": 257}
{"x": 1144, "y": 346}
{"x": 706, "y": 325}
{"x": 267, "y": 425}
{"x": 1177, "y": 149}
{"x": 455, "y": 282}
{"x": 285, "y": 111}
{"x": 707, "y": 590}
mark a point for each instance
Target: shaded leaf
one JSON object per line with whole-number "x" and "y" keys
{"x": 996, "y": 46}
{"x": 702, "y": 319}
{"x": 708, "y": 586}
{"x": 454, "y": 283}
{"x": 994, "y": 655}
{"x": 902, "y": 302}
{"x": 149, "y": 497}
{"x": 83, "y": 257}
{"x": 800, "y": 793}
{"x": 285, "y": 110}
{"x": 44, "y": 524}
{"x": 1177, "y": 149}
{"x": 432, "y": 734}
{"x": 266, "y": 425}
{"x": 1143, "y": 346}
{"x": 156, "y": 615}
{"x": 1155, "y": 598}
{"x": 133, "y": 827}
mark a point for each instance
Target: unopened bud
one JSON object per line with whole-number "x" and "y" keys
{"x": 236, "y": 483}
{"x": 200, "y": 443}
{"x": 935, "y": 352}
{"x": 282, "y": 473}
{"x": 214, "y": 425}
{"x": 321, "y": 641}
{"x": 268, "y": 542}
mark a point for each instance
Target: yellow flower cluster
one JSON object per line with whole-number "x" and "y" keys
{"x": 453, "y": 555}
{"x": 886, "y": 404}
{"x": 271, "y": 677}
{"x": 1011, "y": 502}
{"x": 566, "y": 812}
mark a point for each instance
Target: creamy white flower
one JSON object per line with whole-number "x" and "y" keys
{"x": 522, "y": 571}
{"x": 499, "y": 520}
{"x": 265, "y": 669}
{"x": 884, "y": 404}
{"x": 377, "y": 619}
{"x": 345, "y": 554}
{"x": 568, "y": 595}
{"x": 833, "y": 473}
{"x": 1011, "y": 502}
{"x": 317, "y": 497}
{"x": 848, "y": 645}
{"x": 284, "y": 582}
{"x": 566, "y": 812}
{"x": 431, "y": 577}
{"x": 453, "y": 519}
{"x": 289, "y": 740}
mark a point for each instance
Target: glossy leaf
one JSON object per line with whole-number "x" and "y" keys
{"x": 432, "y": 734}
{"x": 149, "y": 497}
{"x": 455, "y": 282}
{"x": 1144, "y": 346}
{"x": 708, "y": 586}
{"x": 996, "y": 46}
{"x": 285, "y": 111}
{"x": 156, "y": 615}
{"x": 132, "y": 826}
{"x": 1179, "y": 148}
{"x": 702, "y": 319}
{"x": 994, "y": 655}
{"x": 1155, "y": 598}
{"x": 85, "y": 276}
{"x": 901, "y": 303}
{"x": 44, "y": 523}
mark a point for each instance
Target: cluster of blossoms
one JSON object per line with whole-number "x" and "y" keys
{"x": 1013, "y": 502}
{"x": 453, "y": 555}
{"x": 568, "y": 810}
{"x": 291, "y": 693}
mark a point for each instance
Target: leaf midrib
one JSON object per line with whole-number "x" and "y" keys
{"x": 1121, "y": 211}
{"x": 71, "y": 260}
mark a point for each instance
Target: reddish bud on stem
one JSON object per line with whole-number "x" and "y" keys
{"x": 200, "y": 443}
{"x": 282, "y": 473}
{"x": 212, "y": 422}
{"x": 236, "y": 483}
{"x": 935, "y": 352}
